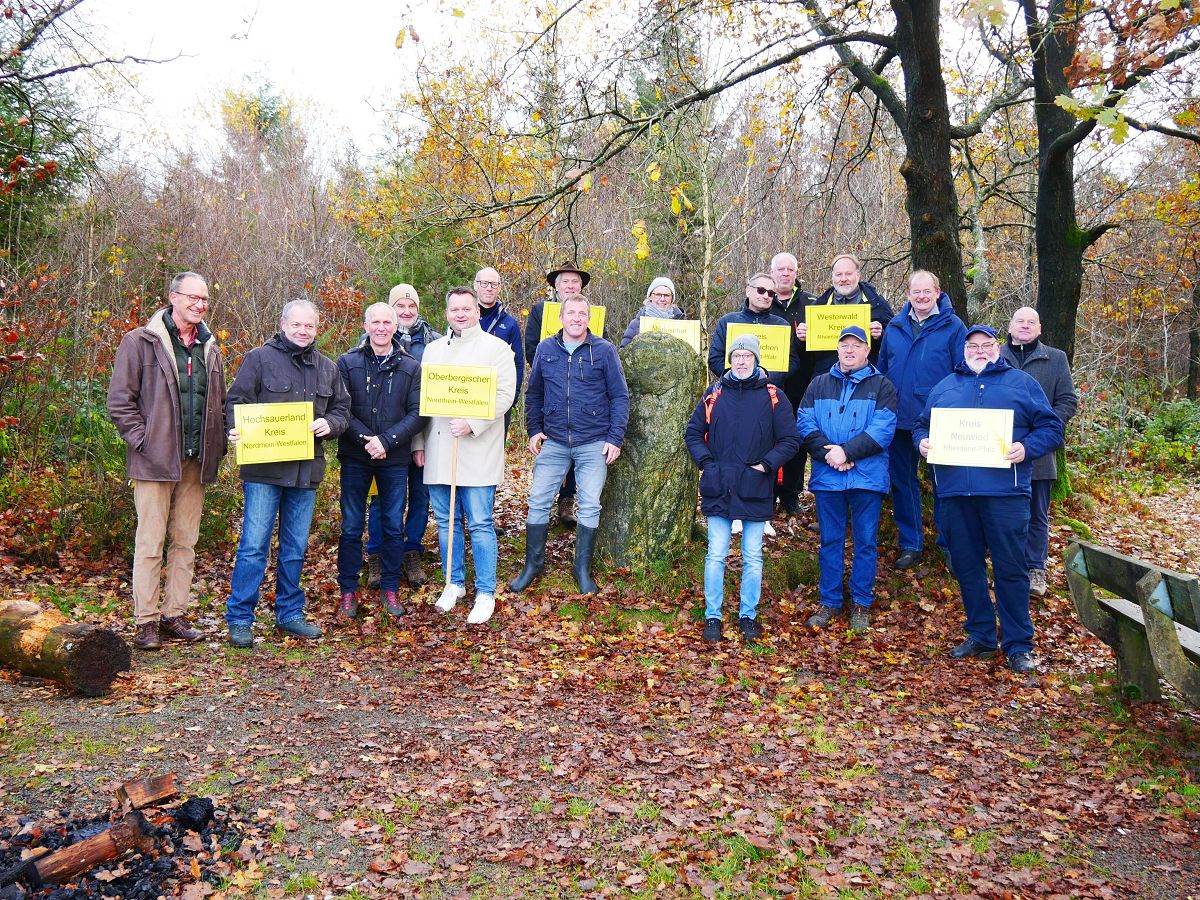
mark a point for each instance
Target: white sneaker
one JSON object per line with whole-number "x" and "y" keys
{"x": 451, "y": 594}
{"x": 485, "y": 605}
{"x": 736, "y": 527}
{"x": 768, "y": 529}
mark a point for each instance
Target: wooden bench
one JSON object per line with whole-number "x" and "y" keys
{"x": 1152, "y": 622}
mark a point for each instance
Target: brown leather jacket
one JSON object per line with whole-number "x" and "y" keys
{"x": 143, "y": 401}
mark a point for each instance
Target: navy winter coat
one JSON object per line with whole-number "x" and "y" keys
{"x": 419, "y": 337}
{"x": 999, "y": 386}
{"x": 716, "y": 344}
{"x": 801, "y": 371}
{"x": 881, "y": 312}
{"x": 743, "y": 428}
{"x": 634, "y": 328}
{"x": 576, "y": 398}
{"x": 500, "y": 322}
{"x": 858, "y": 412}
{"x": 917, "y": 359}
{"x": 384, "y": 402}
{"x": 1048, "y": 366}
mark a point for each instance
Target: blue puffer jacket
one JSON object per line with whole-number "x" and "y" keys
{"x": 915, "y": 361}
{"x": 504, "y": 325}
{"x": 745, "y": 315}
{"x": 384, "y": 402}
{"x": 744, "y": 427}
{"x": 857, "y": 411}
{"x": 577, "y": 398}
{"x": 999, "y": 386}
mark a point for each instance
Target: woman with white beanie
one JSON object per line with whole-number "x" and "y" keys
{"x": 660, "y": 304}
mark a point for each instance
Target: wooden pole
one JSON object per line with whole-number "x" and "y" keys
{"x": 453, "y": 511}
{"x": 132, "y": 833}
{"x": 44, "y": 642}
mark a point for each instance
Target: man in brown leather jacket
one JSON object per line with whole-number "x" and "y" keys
{"x": 167, "y": 399}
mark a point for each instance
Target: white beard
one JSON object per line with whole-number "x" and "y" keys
{"x": 977, "y": 365}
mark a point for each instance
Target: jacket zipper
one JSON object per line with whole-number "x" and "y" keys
{"x": 569, "y": 356}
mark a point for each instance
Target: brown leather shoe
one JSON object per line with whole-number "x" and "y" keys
{"x": 178, "y": 628}
{"x": 566, "y": 511}
{"x": 413, "y": 570}
{"x": 147, "y": 637}
{"x": 374, "y": 570}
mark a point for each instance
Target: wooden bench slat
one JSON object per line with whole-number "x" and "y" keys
{"x": 1188, "y": 639}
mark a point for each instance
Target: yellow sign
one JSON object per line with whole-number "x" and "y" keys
{"x": 687, "y": 330}
{"x": 272, "y": 432}
{"x": 551, "y": 323}
{"x": 467, "y": 392}
{"x": 970, "y": 437}
{"x": 774, "y": 340}
{"x": 825, "y": 323}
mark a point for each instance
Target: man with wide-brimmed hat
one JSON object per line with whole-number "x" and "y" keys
{"x": 568, "y": 280}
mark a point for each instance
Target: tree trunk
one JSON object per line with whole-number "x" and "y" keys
{"x": 930, "y": 199}
{"x": 45, "y": 643}
{"x": 1193, "y": 367}
{"x": 649, "y": 500}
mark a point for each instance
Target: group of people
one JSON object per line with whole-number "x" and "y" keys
{"x": 860, "y": 413}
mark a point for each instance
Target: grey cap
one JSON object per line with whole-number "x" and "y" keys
{"x": 747, "y": 342}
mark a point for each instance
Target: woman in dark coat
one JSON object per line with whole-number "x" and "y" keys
{"x": 740, "y": 435}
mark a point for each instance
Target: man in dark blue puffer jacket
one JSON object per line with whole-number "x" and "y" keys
{"x": 847, "y": 420}
{"x": 986, "y": 510}
{"x": 740, "y": 435}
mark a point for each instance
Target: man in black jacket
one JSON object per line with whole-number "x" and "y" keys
{"x": 384, "y": 384}
{"x": 286, "y": 369}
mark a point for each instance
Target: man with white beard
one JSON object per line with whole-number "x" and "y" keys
{"x": 986, "y": 510}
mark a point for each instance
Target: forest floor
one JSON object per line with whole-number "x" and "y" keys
{"x": 596, "y": 746}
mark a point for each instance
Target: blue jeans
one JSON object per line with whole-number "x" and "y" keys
{"x": 416, "y": 519}
{"x": 549, "y": 468}
{"x": 999, "y": 526}
{"x": 477, "y": 503}
{"x": 714, "y": 567}
{"x": 263, "y": 504}
{"x": 356, "y": 481}
{"x": 903, "y": 459}
{"x": 862, "y": 509}
{"x": 1037, "y": 547}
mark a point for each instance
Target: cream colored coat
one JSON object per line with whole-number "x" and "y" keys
{"x": 481, "y": 453}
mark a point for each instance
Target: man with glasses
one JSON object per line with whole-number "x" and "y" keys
{"x": 167, "y": 399}
{"x": 921, "y": 345}
{"x": 1050, "y": 368}
{"x": 985, "y": 511}
{"x": 760, "y": 294}
{"x": 499, "y": 322}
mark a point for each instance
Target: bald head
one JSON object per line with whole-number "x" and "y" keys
{"x": 1025, "y": 326}
{"x": 487, "y": 286}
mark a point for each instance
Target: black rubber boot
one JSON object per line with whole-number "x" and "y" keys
{"x": 585, "y": 545}
{"x": 535, "y": 557}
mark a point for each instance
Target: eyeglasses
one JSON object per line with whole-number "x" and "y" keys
{"x": 195, "y": 298}
{"x": 986, "y": 345}
{"x": 482, "y": 283}
{"x": 764, "y": 292}
{"x": 664, "y": 295}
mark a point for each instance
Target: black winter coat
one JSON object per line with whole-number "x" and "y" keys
{"x": 747, "y": 424}
{"x": 384, "y": 401}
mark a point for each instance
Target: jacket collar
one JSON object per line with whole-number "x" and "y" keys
{"x": 305, "y": 356}
{"x": 757, "y": 380}
{"x": 769, "y": 311}
{"x": 857, "y": 376}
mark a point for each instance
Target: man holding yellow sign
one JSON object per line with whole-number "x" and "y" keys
{"x": 287, "y": 369}
{"x": 985, "y": 492}
{"x": 780, "y": 353}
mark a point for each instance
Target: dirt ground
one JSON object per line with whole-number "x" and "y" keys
{"x": 586, "y": 747}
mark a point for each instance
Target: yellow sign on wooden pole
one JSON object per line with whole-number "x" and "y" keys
{"x": 467, "y": 392}
{"x": 775, "y": 342}
{"x": 970, "y": 437}
{"x": 687, "y": 330}
{"x": 551, "y": 322}
{"x": 272, "y": 432}
{"x": 825, "y": 323}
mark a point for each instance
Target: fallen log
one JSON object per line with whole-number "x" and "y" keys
{"x": 46, "y": 643}
{"x": 132, "y": 833}
{"x": 146, "y": 791}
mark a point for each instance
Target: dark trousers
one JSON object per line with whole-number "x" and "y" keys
{"x": 861, "y": 508}
{"x": 976, "y": 527}
{"x": 1038, "y": 546}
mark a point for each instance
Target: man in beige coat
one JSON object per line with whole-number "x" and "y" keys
{"x": 480, "y": 454}
{"x": 167, "y": 399}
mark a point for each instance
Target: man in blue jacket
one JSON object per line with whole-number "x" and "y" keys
{"x": 847, "y": 420}
{"x": 986, "y": 510}
{"x": 757, "y": 310}
{"x": 576, "y": 410}
{"x": 496, "y": 320}
{"x": 740, "y": 435}
{"x": 921, "y": 346}
{"x": 384, "y": 384}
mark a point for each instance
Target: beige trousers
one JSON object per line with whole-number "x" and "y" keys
{"x": 165, "y": 509}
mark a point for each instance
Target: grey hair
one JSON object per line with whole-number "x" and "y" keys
{"x": 386, "y": 306}
{"x": 178, "y": 280}
{"x": 757, "y": 275}
{"x": 298, "y": 303}
{"x": 574, "y": 298}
